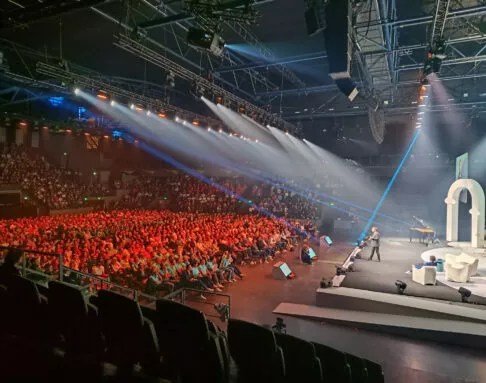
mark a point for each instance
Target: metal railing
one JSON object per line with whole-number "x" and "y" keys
{"x": 91, "y": 284}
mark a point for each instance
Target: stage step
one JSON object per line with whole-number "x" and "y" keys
{"x": 432, "y": 329}
{"x": 377, "y": 302}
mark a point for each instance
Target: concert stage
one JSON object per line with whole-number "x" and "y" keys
{"x": 367, "y": 299}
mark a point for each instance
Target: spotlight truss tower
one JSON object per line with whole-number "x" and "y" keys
{"x": 95, "y": 84}
{"x": 141, "y": 50}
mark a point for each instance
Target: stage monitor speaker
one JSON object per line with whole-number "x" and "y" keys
{"x": 338, "y": 36}
{"x": 282, "y": 271}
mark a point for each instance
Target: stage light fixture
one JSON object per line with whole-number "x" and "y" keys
{"x": 401, "y": 286}
{"x": 132, "y": 106}
{"x": 256, "y": 141}
{"x": 162, "y": 115}
{"x": 465, "y": 294}
{"x": 208, "y": 129}
{"x": 148, "y": 113}
{"x": 195, "y": 122}
{"x": 138, "y": 108}
{"x": 102, "y": 95}
{"x": 177, "y": 119}
{"x": 219, "y": 100}
{"x": 220, "y": 130}
{"x": 76, "y": 91}
{"x": 112, "y": 103}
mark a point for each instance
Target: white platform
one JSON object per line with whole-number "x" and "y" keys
{"x": 477, "y": 284}
{"x": 462, "y": 313}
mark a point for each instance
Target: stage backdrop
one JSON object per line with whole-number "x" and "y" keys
{"x": 462, "y": 170}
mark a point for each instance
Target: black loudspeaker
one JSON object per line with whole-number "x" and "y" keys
{"x": 314, "y": 19}
{"x": 338, "y": 36}
{"x": 281, "y": 270}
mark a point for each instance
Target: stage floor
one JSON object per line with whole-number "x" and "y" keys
{"x": 397, "y": 256}
{"x": 254, "y": 298}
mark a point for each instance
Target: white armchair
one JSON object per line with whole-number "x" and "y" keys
{"x": 456, "y": 272}
{"x": 469, "y": 260}
{"x": 424, "y": 275}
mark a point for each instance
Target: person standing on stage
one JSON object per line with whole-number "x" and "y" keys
{"x": 375, "y": 243}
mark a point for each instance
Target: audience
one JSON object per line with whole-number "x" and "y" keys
{"x": 150, "y": 250}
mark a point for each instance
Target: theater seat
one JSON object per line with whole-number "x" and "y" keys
{"x": 334, "y": 364}
{"x": 26, "y": 313}
{"x": 130, "y": 338}
{"x": 359, "y": 372}
{"x": 192, "y": 351}
{"x": 301, "y": 362}
{"x": 374, "y": 371}
{"x": 255, "y": 352}
{"x": 73, "y": 319}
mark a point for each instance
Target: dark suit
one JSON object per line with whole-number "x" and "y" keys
{"x": 305, "y": 256}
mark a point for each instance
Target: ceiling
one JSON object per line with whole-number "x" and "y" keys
{"x": 273, "y": 64}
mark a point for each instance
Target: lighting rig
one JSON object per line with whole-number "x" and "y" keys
{"x": 208, "y": 87}
{"x": 113, "y": 92}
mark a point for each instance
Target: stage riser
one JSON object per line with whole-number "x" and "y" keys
{"x": 464, "y": 340}
{"x": 325, "y": 298}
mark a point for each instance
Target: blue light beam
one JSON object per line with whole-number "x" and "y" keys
{"x": 389, "y": 186}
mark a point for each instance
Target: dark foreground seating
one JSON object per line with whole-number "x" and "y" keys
{"x": 193, "y": 352}
{"x": 335, "y": 367}
{"x": 255, "y": 351}
{"x": 130, "y": 338}
{"x": 74, "y": 322}
{"x": 301, "y": 363}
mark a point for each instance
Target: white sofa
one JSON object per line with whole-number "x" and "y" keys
{"x": 424, "y": 275}
{"x": 465, "y": 258}
{"x": 456, "y": 272}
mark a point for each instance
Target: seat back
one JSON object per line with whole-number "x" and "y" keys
{"x": 25, "y": 311}
{"x": 301, "y": 362}
{"x": 374, "y": 371}
{"x": 255, "y": 352}
{"x": 122, "y": 324}
{"x": 334, "y": 364}
{"x": 359, "y": 372}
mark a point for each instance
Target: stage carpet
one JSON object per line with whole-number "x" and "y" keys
{"x": 398, "y": 256}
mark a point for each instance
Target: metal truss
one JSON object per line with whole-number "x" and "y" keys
{"x": 143, "y": 51}
{"x": 96, "y": 83}
{"x": 179, "y": 49}
{"x": 438, "y": 26}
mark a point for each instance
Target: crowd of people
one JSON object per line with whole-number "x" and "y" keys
{"x": 52, "y": 186}
{"x": 188, "y": 194}
{"x": 150, "y": 250}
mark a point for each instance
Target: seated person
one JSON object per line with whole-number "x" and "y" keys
{"x": 431, "y": 262}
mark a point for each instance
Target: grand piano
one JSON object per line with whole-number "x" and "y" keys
{"x": 422, "y": 231}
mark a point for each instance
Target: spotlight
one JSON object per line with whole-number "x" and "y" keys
{"x": 287, "y": 132}
{"x": 161, "y": 115}
{"x": 256, "y": 140}
{"x": 231, "y": 134}
{"x": 209, "y": 129}
{"x": 177, "y": 119}
{"x": 148, "y": 113}
{"x": 138, "y": 108}
{"x": 102, "y": 95}
{"x": 76, "y": 91}
{"x": 220, "y": 130}
{"x": 132, "y": 106}
{"x": 195, "y": 122}
{"x": 465, "y": 294}
{"x": 112, "y": 103}
{"x": 401, "y": 286}
{"x": 219, "y": 100}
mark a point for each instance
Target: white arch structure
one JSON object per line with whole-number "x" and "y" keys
{"x": 477, "y": 211}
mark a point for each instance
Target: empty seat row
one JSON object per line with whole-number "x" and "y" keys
{"x": 173, "y": 341}
{"x": 264, "y": 356}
